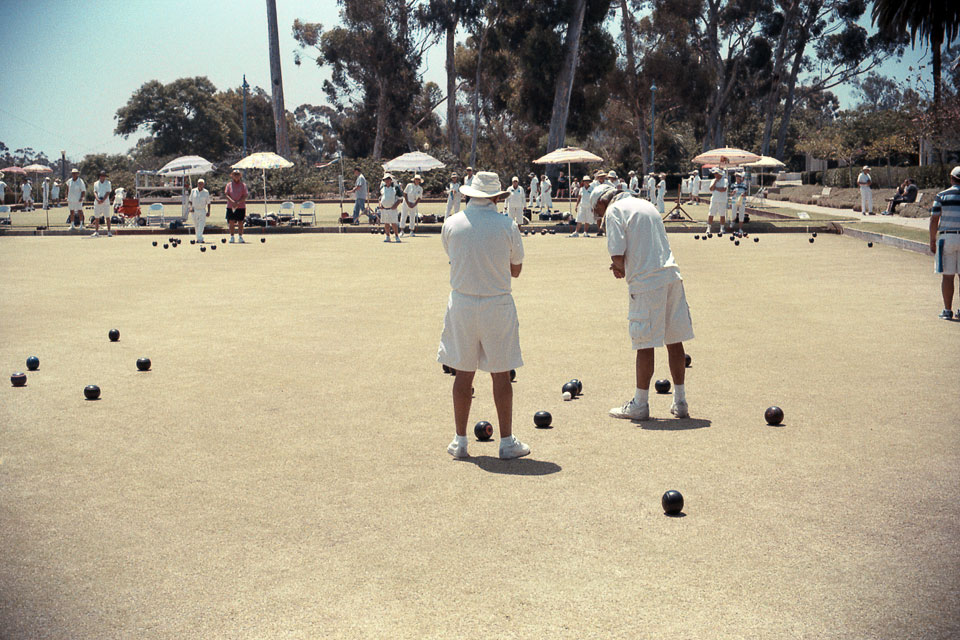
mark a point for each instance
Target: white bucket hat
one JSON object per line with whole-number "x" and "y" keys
{"x": 486, "y": 184}
{"x": 866, "y": 169}
{"x": 955, "y": 173}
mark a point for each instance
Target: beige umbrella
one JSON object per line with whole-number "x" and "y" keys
{"x": 567, "y": 156}
{"x": 726, "y": 157}
{"x": 765, "y": 162}
{"x": 37, "y": 169}
{"x": 263, "y": 161}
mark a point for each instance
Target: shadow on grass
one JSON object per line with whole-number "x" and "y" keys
{"x": 515, "y": 467}
{"x": 672, "y": 424}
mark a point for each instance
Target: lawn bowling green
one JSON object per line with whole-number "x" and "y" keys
{"x": 281, "y": 470}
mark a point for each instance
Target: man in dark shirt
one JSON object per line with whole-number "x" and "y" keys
{"x": 907, "y": 192}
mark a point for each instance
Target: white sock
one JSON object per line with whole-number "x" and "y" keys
{"x": 640, "y": 396}
{"x": 508, "y": 440}
{"x": 461, "y": 441}
{"x": 679, "y": 393}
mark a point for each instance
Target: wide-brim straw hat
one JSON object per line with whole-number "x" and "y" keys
{"x": 486, "y": 184}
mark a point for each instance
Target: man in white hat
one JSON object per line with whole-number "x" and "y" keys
{"x": 634, "y": 182}
{"x": 661, "y": 192}
{"x": 468, "y": 178}
{"x": 945, "y": 240}
{"x": 412, "y": 194}
{"x": 76, "y": 190}
{"x": 584, "y": 212}
{"x": 389, "y": 201}
{"x": 534, "y": 190}
{"x": 546, "y": 192}
{"x": 199, "y": 203}
{"x": 27, "y": 189}
{"x": 453, "y": 195}
{"x": 515, "y": 200}
{"x": 659, "y": 316}
{"x": 718, "y": 199}
{"x": 864, "y": 181}
{"x": 738, "y": 205}
{"x": 101, "y": 205}
{"x": 480, "y": 329}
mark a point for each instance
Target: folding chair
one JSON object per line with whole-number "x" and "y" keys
{"x": 308, "y": 210}
{"x": 130, "y": 210}
{"x": 5, "y": 219}
{"x": 286, "y": 212}
{"x": 155, "y": 214}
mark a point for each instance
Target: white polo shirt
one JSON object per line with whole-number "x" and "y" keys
{"x": 389, "y": 196}
{"x": 864, "y": 180}
{"x": 481, "y": 244}
{"x": 468, "y": 180}
{"x": 27, "y": 190}
{"x": 75, "y": 189}
{"x": 515, "y": 197}
{"x": 413, "y": 192}
{"x": 719, "y": 183}
{"x": 453, "y": 191}
{"x": 199, "y": 199}
{"x": 635, "y": 231}
{"x": 102, "y": 189}
{"x": 534, "y": 185}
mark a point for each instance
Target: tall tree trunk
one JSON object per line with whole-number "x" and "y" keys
{"x": 776, "y": 78}
{"x": 381, "y": 118}
{"x": 936, "y": 43}
{"x": 789, "y": 102}
{"x": 564, "y": 86}
{"x": 279, "y": 112}
{"x": 453, "y": 127}
{"x": 626, "y": 20}
{"x": 476, "y": 89}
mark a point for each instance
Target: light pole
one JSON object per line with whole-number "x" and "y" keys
{"x": 653, "y": 122}
{"x": 245, "y": 86}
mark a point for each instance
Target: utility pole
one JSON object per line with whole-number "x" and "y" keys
{"x": 245, "y": 87}
{"x": 279, "y": 112}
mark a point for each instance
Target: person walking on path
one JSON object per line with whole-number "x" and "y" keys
{"x": 236, "y": 193}
{"x": 360, "y": 197}
{"x": 453, "y": 196}
{"x": 515, "y": 199}
{"x": 945, "y": 240}
{"x": 658, "y": 316}
{"x": 584, "y": 213}
{"x": 200, "y": 207}
{"x": 480, "y": 328}
{"x": 865, "y": 183}
{"x": 718, "y": 199}
{"x": 412, "y": 194}
{"x": 389, "y": 201}
{"x": 76, "y": 190}
{"x": 101, "y": 205}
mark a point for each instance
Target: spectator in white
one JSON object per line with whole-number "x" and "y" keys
{"x": 389, "y": 201}
{"x": 738, "y": 205}
{"x": 27, "y": 189}
{"x": 651, "y": 186}
{"x": 76, "y": 190}
{"x": 661, "y": 192}
{"x": 101, "y": 205}
{"x": 600, "y": 177}
{"x": 534, "y": 190}
{"x": 200, "y": 207}
{"x": 658, "y": 315}
{"x": 360, "y": 191}
{"x": 453, "y": 195}
{"x": 634, "y": 185}
{"x": 718, "y": 199}
{"x": 3, "y": 189}
{"x": 55, "y": 192}
{"x": 613, "y": 179}
{"x": 546, "y": 192}
{"x": 412, "y": 194}
{"x": 584, "y": 212}
{"x": 468, "y": 178}
{"x": 945, "y": 240}
{"x": 118, "y": 195}
{"x": 866, "y": 193}
{"x": 480, "y": 329}
{"x": 45, "y": 189}
{"x": 695, "y": 185}
{"x": 515, "y": 199}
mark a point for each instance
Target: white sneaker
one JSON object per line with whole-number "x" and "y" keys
{"x": 95, "y": 235}
{"x": 241, "y": 240}
{"x": 586, "y": 235}
{"x": 413, "y": 234}
{"x": 456, "y": 450}
{"x": 680, "y": 409}
{"x": 574, "y": 235}
{"x": 514, "y": 449}
{"x": 398, "y": 239}
{"x": 200, "y": 241}
{"x": 109, "y": 234}
{"x": 387, "y": 239}
{"x": 401, "y": 235}
{"x": 631, "y": 411}
{"x": 231, "y": 240}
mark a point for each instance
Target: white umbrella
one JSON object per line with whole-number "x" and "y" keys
{"x": 765, "y": 162}
{"x": 263, "y": 161}
{"x": 726, "y": 157}
{"x": 186, "y": 166}
{"x": 413, "y": 161}
{"x": 38, "y": 169}
{"x": 568, "y": 155}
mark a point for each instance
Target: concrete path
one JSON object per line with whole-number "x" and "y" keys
{"x": 918, "y": 223}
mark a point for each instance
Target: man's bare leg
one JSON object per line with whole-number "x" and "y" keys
{"x": 503, "y": 399}
{"x": 645, "y": 362}
{"x": 678, "y": 362}
{"x": 463, "y": 398}
{"x": 946, "y": 288}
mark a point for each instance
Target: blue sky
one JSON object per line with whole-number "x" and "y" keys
{"x": 70, "y": 64}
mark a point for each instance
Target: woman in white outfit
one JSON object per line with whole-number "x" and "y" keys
{"x": 661, "y": 192}
{"x": 546, "y": 195}
{"x": 453, "y": 195}
{"x": 534, "y": 191}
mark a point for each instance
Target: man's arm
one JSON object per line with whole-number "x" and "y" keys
{"x": 617, "y": 266}
{"x": 515, "y": 270}
{"x": 934, "y": 226}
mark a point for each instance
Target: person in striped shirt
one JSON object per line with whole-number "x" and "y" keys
{"x": 945, "y": 239}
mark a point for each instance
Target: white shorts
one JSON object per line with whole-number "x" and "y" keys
{"x": 74, "y": 205}
{"x": 480, "y": 333}
{"x": 718, "y": 206}
{"x": 101, "y": 209}
{"x": 389, "y": 216}
{"x": 660, "y": 317}
{"x": 947, "y": 260}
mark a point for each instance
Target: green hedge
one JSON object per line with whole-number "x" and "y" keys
{"x": 927, "y": 177}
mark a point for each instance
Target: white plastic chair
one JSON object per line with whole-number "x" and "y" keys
{"x": 308, "y": 210}
{"x": 5, "y": 219}
{"x": 286, "y": 211}
{"x": 155, "y": 214}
